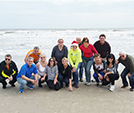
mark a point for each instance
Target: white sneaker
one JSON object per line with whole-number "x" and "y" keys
{"x": 112, "y": 87}
{"x": 87, "y": 83}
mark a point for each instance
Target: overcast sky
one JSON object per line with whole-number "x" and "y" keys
{"x": 77, "y": 14}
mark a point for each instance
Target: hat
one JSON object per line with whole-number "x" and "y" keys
{"x": 74, "y": 43}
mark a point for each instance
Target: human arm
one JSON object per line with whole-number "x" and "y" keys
{"x": 70, "y": 85}
{"x": 37, "y": 65}
{"x": 56, "y": 74}
{"x": 28, "y": 79}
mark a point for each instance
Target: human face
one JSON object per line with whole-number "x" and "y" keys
{"x": 122, "y": 56}
{"x": 60, "y": 42}
{"x": 110, "y": 60}
{"x": 43, "y": 58}
{"x": 8, "y": 59}
{"x": 64, "y": 62}
{"x": 30, "y": 62}
{"x": 102, "y": 40}
{"x": 78, "y": 40}
{"x": 51, "y": 62}
{"x": 74, "y": 47}
{"x": 36, "y": 51}
{"x": 98, "y": 60}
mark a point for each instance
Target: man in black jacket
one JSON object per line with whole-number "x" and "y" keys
{"x": 8, "y": 70}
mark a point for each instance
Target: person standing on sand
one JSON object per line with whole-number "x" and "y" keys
{"x": 78, "y": 40}
{"x": 8, "y": 70}
{"x": 41, "y": 65}
{"x": 59, "y": 51}
{"x": 51, "y": 72}
{"x": 28, "y": 75}
{"x": 102, "y": 46}
{"x": 74, "y": 56}
{"x": 65, "y": 74}
{"x": 128, "y": 62}
{"x": 88, "y": 59}
{"x": 35, "y": 53}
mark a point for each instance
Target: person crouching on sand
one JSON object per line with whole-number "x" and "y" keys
{"x": 111, "y": 72}
{"x": 28, "y": 75}
{"x": 65, "y": 74}
{"x": 99, "y": 66}
{"x": 51, "y": 72}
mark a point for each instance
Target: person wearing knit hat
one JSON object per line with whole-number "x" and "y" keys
{"x": 74, "y": 56}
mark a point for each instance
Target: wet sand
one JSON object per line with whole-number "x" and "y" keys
{"x": 85, "y": 99}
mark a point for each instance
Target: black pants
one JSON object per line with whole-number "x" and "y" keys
{"x": 112, "y": 78}
{"x": 4, "y": 83}
{"x": 51, "y": 85}
{"x": 40, "y": 82}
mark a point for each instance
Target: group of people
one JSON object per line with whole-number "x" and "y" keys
{"x": 64, "y": 63}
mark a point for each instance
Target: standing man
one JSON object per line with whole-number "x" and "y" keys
{"x": 59, "y": 51}
{"x": 27, "y": 75}
{"x": 8, "y": 70}
{"x": 128, "y": 62}
{"x": 102, "y": 46}
{"x": 35, "y": 53}
{"x": 78, "y": 40}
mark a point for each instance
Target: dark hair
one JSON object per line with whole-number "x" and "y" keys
{"x": 8, "y": 55}
{"x": 110, "y": 56}
{"x": 102, "y": 35}
{"x": 50, "y": 60}
{"x": 85, "y": 39}
{"x": 36, "y": 47}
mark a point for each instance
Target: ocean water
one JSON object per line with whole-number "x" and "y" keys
{"x": 19, "y": 42}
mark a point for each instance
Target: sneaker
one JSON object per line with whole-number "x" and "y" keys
{"x": 97, "y": 84}
{"x": 112, "y": 87}
{"x": 81, "y": 80}
{"x": 76, "y": 86}
{"x": 31, "y": 87}
{"x": 124, "y": 86}
{"x": 93, "y": 80}
{"x": 21, "y": 91}
{"x": 40, "y": 85}
{"x": 87, "y": 83}
{"x": 13, "y": 85}
{"x": 131, "y": 89}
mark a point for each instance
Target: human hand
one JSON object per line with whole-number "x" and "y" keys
{"x": 55, "y": 81}
{"x": 10, "y": 78}
{"x": 70, "y": 88}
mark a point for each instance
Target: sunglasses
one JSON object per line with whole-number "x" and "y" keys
{"x": 60, "y": 42}
{"x": 42, "y": 57}
{"x": 122, "y": 56}
{"x": 51, "y": 61}
{"x": 7, "y": 59}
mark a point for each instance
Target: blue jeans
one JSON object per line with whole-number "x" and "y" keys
{"x": 123, "y": 76}
{"x": 23, "y": 82}
{"x": 62, "y": 79}
{"x": 75, "y": 74}
{"x": 81, "y": 71}
{"x": 131, "y": 80}
{"x": 87, "y": 66}
{"x": 96, "y": 77}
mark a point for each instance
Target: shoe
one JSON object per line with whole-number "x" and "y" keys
{"x": 4, "y": 87}
{"x": 73, "y": 84}
{"x": 81, "y": 80}
{"x": 112, "y": 87}
{"x": 76, "y": 86}
{"x": 13, "y": 85}
{"x": 124, "y": 86}
{"x": 97, "y": 84}
{"x": 87, "y": 83}
{"x": 21, "y": 91}
{"x": 131, "y": 89}
{"x": 93, "y": 80}
{"x": 31, "y": 87}
{"x": 40, "y": 85}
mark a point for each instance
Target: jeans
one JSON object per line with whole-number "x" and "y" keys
{"x": 81, "y": 71}
{"x": 96, "y": 77}
{"x": 87, "y": 66}
{"x": 123, "y": 76}
{"x": 75, "y": 74}
{"x": 131, "y": 80}
{"x": 62, "y": 79}
{"x": 23, "y": 82}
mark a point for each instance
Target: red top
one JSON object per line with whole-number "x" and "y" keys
{"x": 88, "y": 52}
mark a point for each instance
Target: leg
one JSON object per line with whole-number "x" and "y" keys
{"x": 13, "y": 81}
{"x": 60, "y": 78}
{"x": 96, "y": 77}
{"x": 22, "y": 83}
{"x": 66, "y": 80}
{"x": 123, "y": 76}
{"x": 50, "y": 84}
{"x": 3, "y": 81}
{"x": 131, "y": 80}
{"x": 30, "y": 84}
{"x": 56, "y": 86}
{"x": 40, "y": 82}
{"x": 81, "y": 72}
{"x": 113, "y": 77}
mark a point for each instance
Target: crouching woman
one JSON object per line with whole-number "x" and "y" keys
{"x": 51, "y": 72}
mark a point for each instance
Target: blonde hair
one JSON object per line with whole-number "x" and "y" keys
{"x": 64, "y": 58}
{"x": 42, "y": 54}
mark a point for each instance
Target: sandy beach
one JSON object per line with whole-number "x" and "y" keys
{"x": 85, "y": 99}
